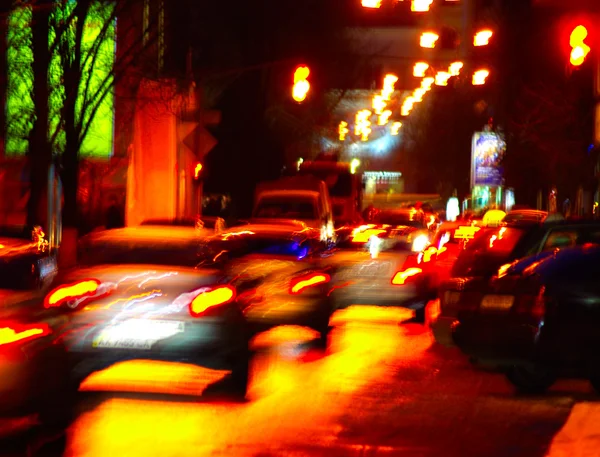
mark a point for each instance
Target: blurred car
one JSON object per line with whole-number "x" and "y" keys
{"x": 26, "y": 270}
{"x": 137, "y": 294}
{"x": 531, "y": 215}
{"x": 539, "y": 319}
{"x": 494, "y": 250}
{"x": 282, "y": 264}
{"x": 369, "y": 264}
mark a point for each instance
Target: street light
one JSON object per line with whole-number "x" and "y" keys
{"x": 362, "y": 124}
{"x": 579, "y": 50}
{"x": 371, "y": 4}
{"x": 396, "y": 128}
{"x": 354, "y": 164}
{"x": 301, "y": 84}
{"x": 384, "y": 117}
{"x": 428, "y": 39}
{"x": 389, "y": 82}
{"x": 455, "y": 68}
{"x": 419, "y": 69}
{"x": 420, "y": 6}
{"x": 482, "y": 38}
{"x": 197, "y": 170}
{"x": 343, "y": 130}
{"x": 441, "y": 78}
{"x": 479, "y": 77}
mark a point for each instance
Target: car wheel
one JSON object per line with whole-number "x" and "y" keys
{"x": 531, "y": 380}
{"x": 240, "y": 375}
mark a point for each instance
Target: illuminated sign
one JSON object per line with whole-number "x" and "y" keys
{"x": 466, "y": 232}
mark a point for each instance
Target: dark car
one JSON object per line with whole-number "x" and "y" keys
{"x": 283, "y": 267}
{"x": 495, "y": 249}
{"x": 136, "y": 294}
{"x": 539, "y": 319}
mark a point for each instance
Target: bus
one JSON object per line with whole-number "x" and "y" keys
{"x": 345, "y": 187}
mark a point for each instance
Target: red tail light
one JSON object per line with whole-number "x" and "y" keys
{"x": 209, "y": 298}
{"x": 13, "y": 334}
{"x": 533, "y": 305}
{"x": 404, "y": 276}
{"x": 304, "y": 282}
{"x": 71, "y": 292}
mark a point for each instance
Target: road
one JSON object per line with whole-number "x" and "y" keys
{"x": 382, "y": 390}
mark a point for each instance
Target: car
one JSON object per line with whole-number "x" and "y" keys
{"x": 27, "y": 267}
{"x": 370, "y": 264}
{"x": 537, "y": 319}
{"x": 496, "y": 249}
{"x": 138, "y": 293}
{"x": 285, "y": 264}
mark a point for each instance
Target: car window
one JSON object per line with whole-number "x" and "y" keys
{"x": 286, "y": 208}
{"x": 497, "y": 241}
{"x": 561, "y": 238}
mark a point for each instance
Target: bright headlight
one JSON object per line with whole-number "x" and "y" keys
{"x": 420, "y": 243}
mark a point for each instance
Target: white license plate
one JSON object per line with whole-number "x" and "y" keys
{"x": 500, "y": 302}
{"x": 139, "y": 334}
{"x": 374, "y": 269}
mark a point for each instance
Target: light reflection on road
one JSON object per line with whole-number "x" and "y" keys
{"x": 297, "y": 395}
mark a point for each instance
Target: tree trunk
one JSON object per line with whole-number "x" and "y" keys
{"x": 40, "y": 152}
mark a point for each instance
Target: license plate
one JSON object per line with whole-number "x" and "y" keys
{"x": 140, "y": 334}
{"x": 500, "y": 302}
{"x": 374, "y": 269}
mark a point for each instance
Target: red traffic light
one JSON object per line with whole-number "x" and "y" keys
{"x": 579, "y": 50}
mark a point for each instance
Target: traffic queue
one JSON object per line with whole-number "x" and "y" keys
{"x": 519, "y": 292}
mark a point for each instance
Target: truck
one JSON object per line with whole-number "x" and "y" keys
{"x": 304, "y": 199}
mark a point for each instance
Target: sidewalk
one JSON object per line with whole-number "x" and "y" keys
{"x": 580, "y": 436}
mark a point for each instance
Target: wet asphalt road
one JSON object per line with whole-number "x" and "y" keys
{"x": 382, "y": 390}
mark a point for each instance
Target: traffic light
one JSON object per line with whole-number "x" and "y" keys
{"x": 301, "y": 84}
{"x": 579, "y": 50}
{"x": 198, "y": 171}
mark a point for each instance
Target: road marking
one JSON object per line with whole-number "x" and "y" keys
{"x": 580, "y": 436}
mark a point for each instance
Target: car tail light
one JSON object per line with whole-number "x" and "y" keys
{"x": 533, "y": 305}
{"x": 14, "y": 334}
{"x": 302, "y": 283}
{"x": 76, "y": 291}
{"x": 402, "y": 277}
{"x": 211, "y": 297}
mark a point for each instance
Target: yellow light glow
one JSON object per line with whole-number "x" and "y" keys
{"x": 379, "y": 104}
{"x": 354, "y": 164}
{"x": 197, "y": 170}
{"x": 428, "y": 40}
{"x": 389, "y": 82}
{"x": 362, "y": 124}
{"x": 384, "y": 117}
{"x": 420, "y": 6}
{"x": 343, "y": 130}
{"x": 426, "y": 83}
{"x": 396, "y": 126}
{"x": 301, "y": 85}
{"x": 419, "y": 69}
{"x": 579, "y": 50}
{"x": 482, "y": 38}
{"x": 441, "y": 78}
{"x": 371, "y": 3}
{"x": 418, "y": 94}
{"x": 405, "y": 110}
{"x": 479, "y": 77}
{"x": 455, "y": 68}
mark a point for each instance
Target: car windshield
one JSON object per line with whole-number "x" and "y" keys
{"x": 338, "y": 183}
{"x": 280, "y": 207}
{"x": 407, "y": 218}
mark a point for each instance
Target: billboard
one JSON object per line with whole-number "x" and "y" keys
{"x": 487, "y": 152}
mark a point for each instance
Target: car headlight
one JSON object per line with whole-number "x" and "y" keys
{"x": 420, "y": 243}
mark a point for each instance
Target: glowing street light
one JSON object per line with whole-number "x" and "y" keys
{"x": 197, "y": 170}
{"x": 455, "y": 68}
{"x": 384, "y": 117}
{"x": 343, "y": 130}
{"x": 299, "y": 163}
{"x": 441, "y": 78}
{"x": 371, "y": 4}
{"x": 354, "y": 164}
{"x": 428, "y": 39}
{"x": 479, "y": 77}
{"x": 405, "y": 110}
{"x": 362, "y": 125}
{"x": 418, "y": 94}
{"x": 420, "y": 6}
{"x": 419, "y": 69}
{"x": 389, "y": 82}
{"x": 426, "y": 83}
{"x": 379, "y": 104}
{"x": 395, "y": 128}
{"x": 482, "y": 38}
